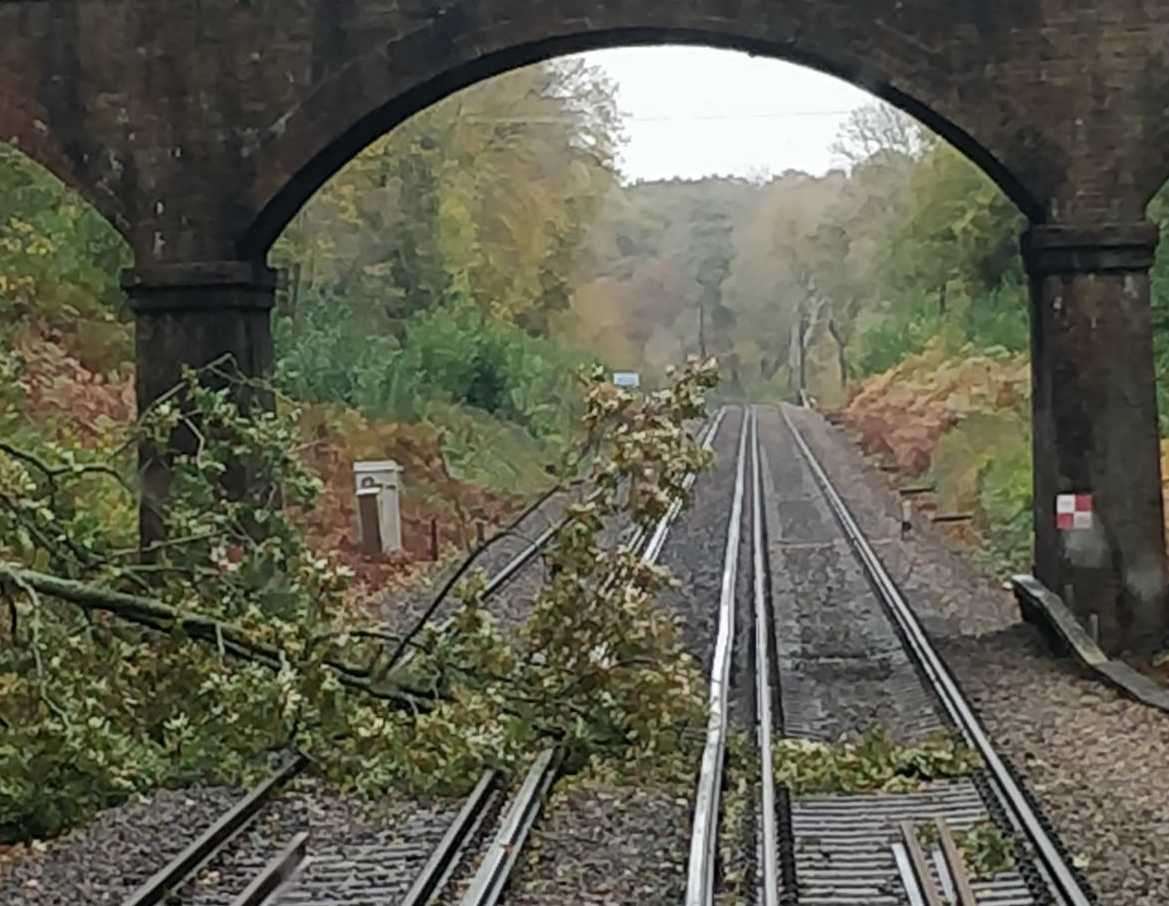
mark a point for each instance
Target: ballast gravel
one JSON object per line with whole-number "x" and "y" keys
{"x": 362, "y": 852}
{"x": 695, "y": 547}
{"x": 106, "y": 860}
{"x": 1098, "y": 763}
{"x": 400, "y": 610}
{"x": 951, "y": 595}
{"x": 842, "y": 667}
{"x": 606, "y": 845}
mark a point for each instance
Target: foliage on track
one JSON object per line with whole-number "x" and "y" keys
{"x": 874, "y": 762}
{"x": 985, "y": 849}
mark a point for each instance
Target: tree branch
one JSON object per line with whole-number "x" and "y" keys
{"x": 408, "y": 638}
{"x": 161, "y": 617}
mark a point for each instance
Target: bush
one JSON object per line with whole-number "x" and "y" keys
{"x": 993, "y": 320}
{"x": 329, "y": 355}
{"x": 59, "y": 263}
{"x": 909, "y": 325}
{"x": 998, "y": 319}
{"x": 452, "y": 354}
{"x": 1004, "y": 498}
{"x": 463, "y": 355}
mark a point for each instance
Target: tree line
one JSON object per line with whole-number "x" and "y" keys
{"x": 490, "y": 244}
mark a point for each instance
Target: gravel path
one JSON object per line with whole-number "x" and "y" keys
{"x": 1098, "y": 763}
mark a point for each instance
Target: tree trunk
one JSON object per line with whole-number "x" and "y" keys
{"x": 841, "y": 357}
{"x": 702, "y": 330}
{"x": 795, "y": 357}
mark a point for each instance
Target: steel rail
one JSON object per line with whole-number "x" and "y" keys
{"x": 1059, "y": 873}
{"x": 658, "y": 539}
{"x": 508, "y": 571}
{"x": 279, "y": 870}
{"x": 494, "y": 871}
{"x": 445, "y": 855}
{"x": 771, "y": 875}
{"x": 905, "y": 873}
{"x": 207, "y": 845}
{"x": 704, "y": 829}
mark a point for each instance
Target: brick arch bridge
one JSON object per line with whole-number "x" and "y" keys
{"x": 199, "y": 127}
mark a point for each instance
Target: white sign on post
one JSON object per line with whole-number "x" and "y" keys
{"x": 1073, "y": 512}
{"x": 629, "y": 379}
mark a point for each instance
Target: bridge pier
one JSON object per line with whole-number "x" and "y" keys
{"x": 1095, "y": 426}
{"x": 192, "y": 313}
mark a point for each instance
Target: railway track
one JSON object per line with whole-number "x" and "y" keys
{"x": 285, "y": 864}
{"x": 491, "y": 877}
{"x": 264, "y": 851}
{"x": 834, "y": 648}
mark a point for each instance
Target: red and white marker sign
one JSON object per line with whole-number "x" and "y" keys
{"x": 1073, "y": 511}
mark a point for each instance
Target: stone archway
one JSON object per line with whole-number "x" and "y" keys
{"x": 364, "y": 99}
{"x": 25, "y": 126}
{"x": 209, "y": 124}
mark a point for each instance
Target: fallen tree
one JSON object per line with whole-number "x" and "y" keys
{"x": 233, "y": 638}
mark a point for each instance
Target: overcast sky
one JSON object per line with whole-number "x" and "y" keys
{"x": 694, "y": 111}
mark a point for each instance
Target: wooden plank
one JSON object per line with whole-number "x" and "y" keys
{"x": 1142, "y": 688}
{"x": 1035, "y": 597}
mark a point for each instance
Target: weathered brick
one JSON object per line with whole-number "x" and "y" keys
{"x": 230, "y": 113}
{"x": 201, "y": 126}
